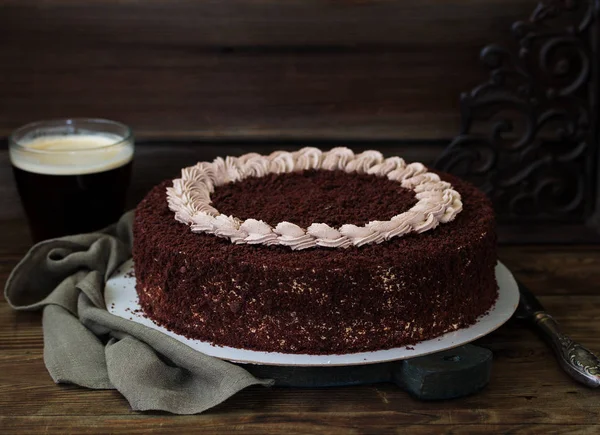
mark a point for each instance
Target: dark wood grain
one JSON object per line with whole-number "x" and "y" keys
{"x": 250, "y": 69}
{"x": 290, "y": 424}
{"x": 528, "y": 392}
{"x": 267, "y": 23}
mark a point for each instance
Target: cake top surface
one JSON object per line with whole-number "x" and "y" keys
{"x": 302, "y": 180}
{"x": 331, "y": 197}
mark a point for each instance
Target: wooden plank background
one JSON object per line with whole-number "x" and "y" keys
{"x": 196, "y": 79}
{"x": 236, "y": 69}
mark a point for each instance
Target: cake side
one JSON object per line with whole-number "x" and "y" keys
{"x": 320, "y": 300}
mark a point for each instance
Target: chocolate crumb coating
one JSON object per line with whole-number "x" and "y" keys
{"x": 321, "y": 300}
{"x": 331, "y": 197}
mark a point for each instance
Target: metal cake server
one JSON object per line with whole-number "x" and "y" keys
{"x": 580, "y": 363}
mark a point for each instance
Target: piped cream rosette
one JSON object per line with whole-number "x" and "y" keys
{"x": 189, "y": 198}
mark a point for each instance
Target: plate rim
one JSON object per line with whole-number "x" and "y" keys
{"x": 508, "y": 293}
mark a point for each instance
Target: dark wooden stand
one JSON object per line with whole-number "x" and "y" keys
{"x": 443, "y": 375}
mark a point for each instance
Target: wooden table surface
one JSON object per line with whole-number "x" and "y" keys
{"x": 528, "y": 393}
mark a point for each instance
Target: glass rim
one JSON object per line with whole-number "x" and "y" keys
{"x": 13, "y": 142}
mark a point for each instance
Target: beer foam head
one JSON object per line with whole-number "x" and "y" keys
{"x": 72, "y": 154}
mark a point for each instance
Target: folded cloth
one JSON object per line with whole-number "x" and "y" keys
{"x": 86, "y": 345}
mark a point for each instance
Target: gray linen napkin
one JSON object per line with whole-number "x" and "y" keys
{"x": 86, "y": 345}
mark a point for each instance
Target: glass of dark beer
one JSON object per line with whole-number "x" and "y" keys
{"x": 72, "y": 174}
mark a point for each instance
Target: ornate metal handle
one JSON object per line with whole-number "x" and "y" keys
{"x": 581, "y": 364}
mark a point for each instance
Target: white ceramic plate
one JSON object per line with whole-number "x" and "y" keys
{"x": 121, "y": 300}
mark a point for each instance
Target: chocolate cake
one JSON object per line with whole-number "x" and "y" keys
{"x": 314, "y": 252}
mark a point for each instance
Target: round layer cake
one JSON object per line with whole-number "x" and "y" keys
{"x": 314, "y": 252}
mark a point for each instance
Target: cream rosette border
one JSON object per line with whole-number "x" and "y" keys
{"x": 189, "y": 198}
